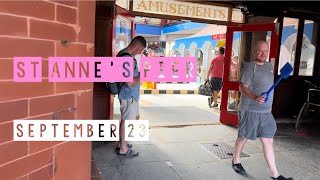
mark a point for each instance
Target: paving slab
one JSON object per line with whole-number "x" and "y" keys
{"x": 177, "y": 114}
{"x": 187, "y": 153}
{"x": 176, "y": 153}
{"x": 251, "y": 147}
{"x": 209, "y": 133}
{"x": 105, "y": 155}
{"x": 221, "y": 170}
{"x": 147, "y": 153}
{"x": 308, "y": 156}
{"x": 144, "y": 171}
{"x": 289, "y": 166}
{"x": 290, "y": 143}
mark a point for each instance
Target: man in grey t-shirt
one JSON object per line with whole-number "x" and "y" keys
{"x": 256, "y": 120}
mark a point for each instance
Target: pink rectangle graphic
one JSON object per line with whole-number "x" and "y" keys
{"x": 27, "y": 69}
{"x": 90, "y": 69}
{"x": 168, "y": 69}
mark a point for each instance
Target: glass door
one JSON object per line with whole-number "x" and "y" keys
{"x": 239, "y": 44}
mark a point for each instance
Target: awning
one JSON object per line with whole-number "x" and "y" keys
{"x": 221, "y": 43}
{"x": 211, "y": 30}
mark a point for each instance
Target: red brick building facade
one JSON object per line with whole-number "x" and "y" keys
{"x": 38, "y": 28}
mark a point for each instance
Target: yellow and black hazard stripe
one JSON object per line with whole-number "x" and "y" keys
{"x": 157, "y": 91}
{"x": 172, "y": 82}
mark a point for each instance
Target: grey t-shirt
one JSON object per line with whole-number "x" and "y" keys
{"x": 259, "y": 79}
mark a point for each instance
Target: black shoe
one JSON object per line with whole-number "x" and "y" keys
{"x": 210, "y": 100}
{"x": 281, "y": 178}
{"x": 238, "y": 168}
{"x": 215, "y": 106}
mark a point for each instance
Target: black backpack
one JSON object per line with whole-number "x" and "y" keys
{"x": 115, "y": 87}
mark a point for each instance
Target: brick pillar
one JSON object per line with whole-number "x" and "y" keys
{"x": 36, "y": 28}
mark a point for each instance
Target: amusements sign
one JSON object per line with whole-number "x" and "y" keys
{"x": 181, "y": 9}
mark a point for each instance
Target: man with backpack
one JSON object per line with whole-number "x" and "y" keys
{"x": 129, "y": 94}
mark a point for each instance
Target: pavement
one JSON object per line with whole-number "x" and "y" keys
{"x": 165, "y": 110}
{"x": 182, "y": 153}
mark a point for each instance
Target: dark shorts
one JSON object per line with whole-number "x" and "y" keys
{"x": 216, "y": 83}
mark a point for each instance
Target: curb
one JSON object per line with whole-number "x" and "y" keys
{"x": 174, "y": 125}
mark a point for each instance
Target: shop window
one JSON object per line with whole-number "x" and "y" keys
{"x": 307, "y": 56}
{"x": 123, "y": 34}
{"x": 233, "y": 101}
{"x": 235, "y": 58}
{"x": 200, "y": 74}
{"x": 288, "y": 42}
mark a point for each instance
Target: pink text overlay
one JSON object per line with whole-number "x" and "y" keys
{"x": 106, "y": 69}
{"x": 27, "y": 69}
{"x": 75, "y": 69}
{"x": 168, "y": 69}
{"x": 90, "y": 69}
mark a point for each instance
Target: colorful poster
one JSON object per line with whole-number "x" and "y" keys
{"x": 123, "y": 34}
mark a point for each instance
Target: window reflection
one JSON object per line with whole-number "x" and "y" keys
{"x": 307, "y": 50}
{"x": 123, "y": 34}
{"x": 288, "y": 42}
{"x": 235, "y": 60}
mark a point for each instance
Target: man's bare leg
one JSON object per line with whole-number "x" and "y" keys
{"x": 236, "y": 165}
{"x": 239, "y": 145}
{"x": 215, "y": 98}
{"x": 118, "y": 142}
{"x": 123, "y": 143}
{"x": 269, "y": 156}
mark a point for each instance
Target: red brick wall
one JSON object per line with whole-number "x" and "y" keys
{"x": 36, "y": 28}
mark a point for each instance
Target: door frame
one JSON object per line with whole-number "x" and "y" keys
{"x": 127, "y": 15}
{"x": 225, "y": 117}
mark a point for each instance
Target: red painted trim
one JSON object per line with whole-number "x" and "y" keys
{"x": 225, "y": 117}
{"x": 110, "y": 99}
{"x": 252, "y": 27}
{"x": 133, "y": 26}
{"x": 127, "y": 14}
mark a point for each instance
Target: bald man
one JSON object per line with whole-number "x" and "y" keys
{"x": 256, "y": 119}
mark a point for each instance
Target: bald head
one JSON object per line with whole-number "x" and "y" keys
{"x": 260, "y": 51}
{"x": 260, "y": 43}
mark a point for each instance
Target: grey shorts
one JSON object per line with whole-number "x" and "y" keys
{"x": 256, "y": 125}
{"x": 129, "y": 109}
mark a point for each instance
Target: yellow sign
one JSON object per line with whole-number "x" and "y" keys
{"x": 182, "y": 9}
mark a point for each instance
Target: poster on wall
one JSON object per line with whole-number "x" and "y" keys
{"x": 156, "y": 49}
{"x": 123, "y": 3}
{"x": 123, "y": 34}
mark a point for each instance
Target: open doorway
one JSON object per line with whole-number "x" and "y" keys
{"x": 165, "y": 104}
{"x": 165, "y": 37}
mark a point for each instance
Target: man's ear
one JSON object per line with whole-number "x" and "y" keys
{"x": 252, "y": 53}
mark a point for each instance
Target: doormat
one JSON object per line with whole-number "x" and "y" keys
{"x": 222, "y": 150}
